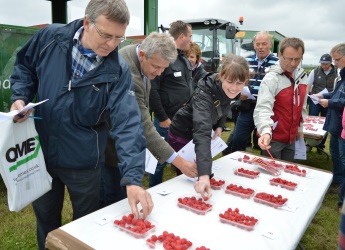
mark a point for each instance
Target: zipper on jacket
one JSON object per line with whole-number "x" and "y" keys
{"x": 96, "y": 123}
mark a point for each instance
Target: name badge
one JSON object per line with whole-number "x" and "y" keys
{"x": 177, "y": 74}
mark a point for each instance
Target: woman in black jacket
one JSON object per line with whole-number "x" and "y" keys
{"x": 206, "y": 111}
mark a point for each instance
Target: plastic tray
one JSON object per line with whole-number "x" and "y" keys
{"x": 128, "y": 227}
{"x": 215, "y": 187}
{"x": 160, "y": 240}
{"x": 236, "y": 172}
{"x": 266, "y": 165}
{"x": 269, "y": 203}
{"x": 247, "y": 225}
{"x": 282, "y": 185}
{"x": 195, "y": 209}
{"x": 242, "y": 195}
{"x": 295, "y": 172}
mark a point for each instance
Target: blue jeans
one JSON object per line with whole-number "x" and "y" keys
{"x": 110, "y": 191}
{"x": 338, "y": 158}
{"x": 83, "y": 188}
{"x": 157, "y": 178}
{"x": 243, "y": 130}
{"x": 316, "y": 110}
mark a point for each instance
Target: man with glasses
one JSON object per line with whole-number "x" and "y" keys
{"x": 335, "y": 102}
{"x": 320, "y": 78}
{"x": 78, "y": 68}
{"x": 146, "y": 61}
{"x": 282, "y": 100}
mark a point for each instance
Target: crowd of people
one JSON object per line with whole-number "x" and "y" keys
{"x": 97, "y": 124}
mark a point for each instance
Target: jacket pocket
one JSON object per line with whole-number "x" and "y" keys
{"x": 90, "y": 103}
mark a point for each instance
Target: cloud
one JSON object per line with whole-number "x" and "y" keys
{"x": 320, "y": 24}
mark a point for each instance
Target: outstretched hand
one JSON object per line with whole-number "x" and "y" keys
{"x": 186, "y": 167}
{"x": 137, "y": 195}
{"x": 203, "y": 187}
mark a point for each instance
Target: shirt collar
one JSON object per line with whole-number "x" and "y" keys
{"x": 81, "y": 48}
{"x": 261, "y": 61}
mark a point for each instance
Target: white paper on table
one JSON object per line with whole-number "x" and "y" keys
{"x": 150, "y": 162}
{"x": 246, "y": 92}
{"x": 268, "y": 232}
{"x": 104, "y": 219}
{"x": 5, "y": 116}
{"x": 300, "y": 149}
{"x": 188, "y": 151}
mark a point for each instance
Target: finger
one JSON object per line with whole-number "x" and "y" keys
{"x": 134, "y": 209}
{"x": 146, "y": 204}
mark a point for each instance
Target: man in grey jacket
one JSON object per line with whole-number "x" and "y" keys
{"x": 146, "y": 61}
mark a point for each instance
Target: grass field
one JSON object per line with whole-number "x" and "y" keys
{"x": 18, "y": 230}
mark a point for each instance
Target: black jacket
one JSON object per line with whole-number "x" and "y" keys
{"x": 172, "y": 89}
{"x": 199, "y": 116}
{"x": 198, "y": 73}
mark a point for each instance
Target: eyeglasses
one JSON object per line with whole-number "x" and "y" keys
{"x": 109, "y": 37}
{"x": 297, "y": 60}
{"x": 337, "y": 60}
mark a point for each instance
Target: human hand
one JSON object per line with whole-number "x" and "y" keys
{"x": 137, "y": 195}
{"x": 165, "y": 124}
{"x": 203, "y": 187}
{"x": 217, "y": 132}
{"x": 318, "y": 96}
{"x": 186, "y": 167}
{"x": 243, "y": 97}
{"x": 323, "y": 102}
{"x": 299, "y": 135}
{"x": 264, "y": 142}
{"x": 19, "y": 105}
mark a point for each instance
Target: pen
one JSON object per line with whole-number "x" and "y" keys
{"x": 35, "y": 117}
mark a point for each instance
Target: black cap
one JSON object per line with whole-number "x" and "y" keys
{"x": 326, "y": 58}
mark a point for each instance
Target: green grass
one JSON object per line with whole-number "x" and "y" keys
{"x": 18, "y": 230}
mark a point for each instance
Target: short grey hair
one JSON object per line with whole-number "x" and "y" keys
{"x": 113, "y": 10}
{"x": 161, "y": 44}
{"x": 339, "y": 48}
{"x": 262, "y": 33}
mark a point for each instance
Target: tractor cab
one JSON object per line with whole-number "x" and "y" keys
{"x": 215, "y": 38}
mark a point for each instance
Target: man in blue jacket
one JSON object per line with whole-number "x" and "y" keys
{"x": 335, "y": 102}
{"x": 78, "y": 68}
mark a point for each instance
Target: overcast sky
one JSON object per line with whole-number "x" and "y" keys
{"x": 319, "y": 23}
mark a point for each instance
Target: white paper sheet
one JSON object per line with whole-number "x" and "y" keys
{"x": 150, "y": 162}
{"x": 246, "y": 92}
{"x": 5, "y": 116}
{"x": 300, "y": 149}
{"x": 315, "y": 99}
{"x": 188, "y": 152}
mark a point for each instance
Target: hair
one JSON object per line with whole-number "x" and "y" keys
{"x": 293, "y": 42}
{"x": 339, "y": 48}
{"x": 161, "y": 44}
{"x": 235, "y": 67}
{"x": 262, "y": 33}
{"x": 194, "y": 47}
{"x": 113, "y": 10}
{"x": 178, "y": 27}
